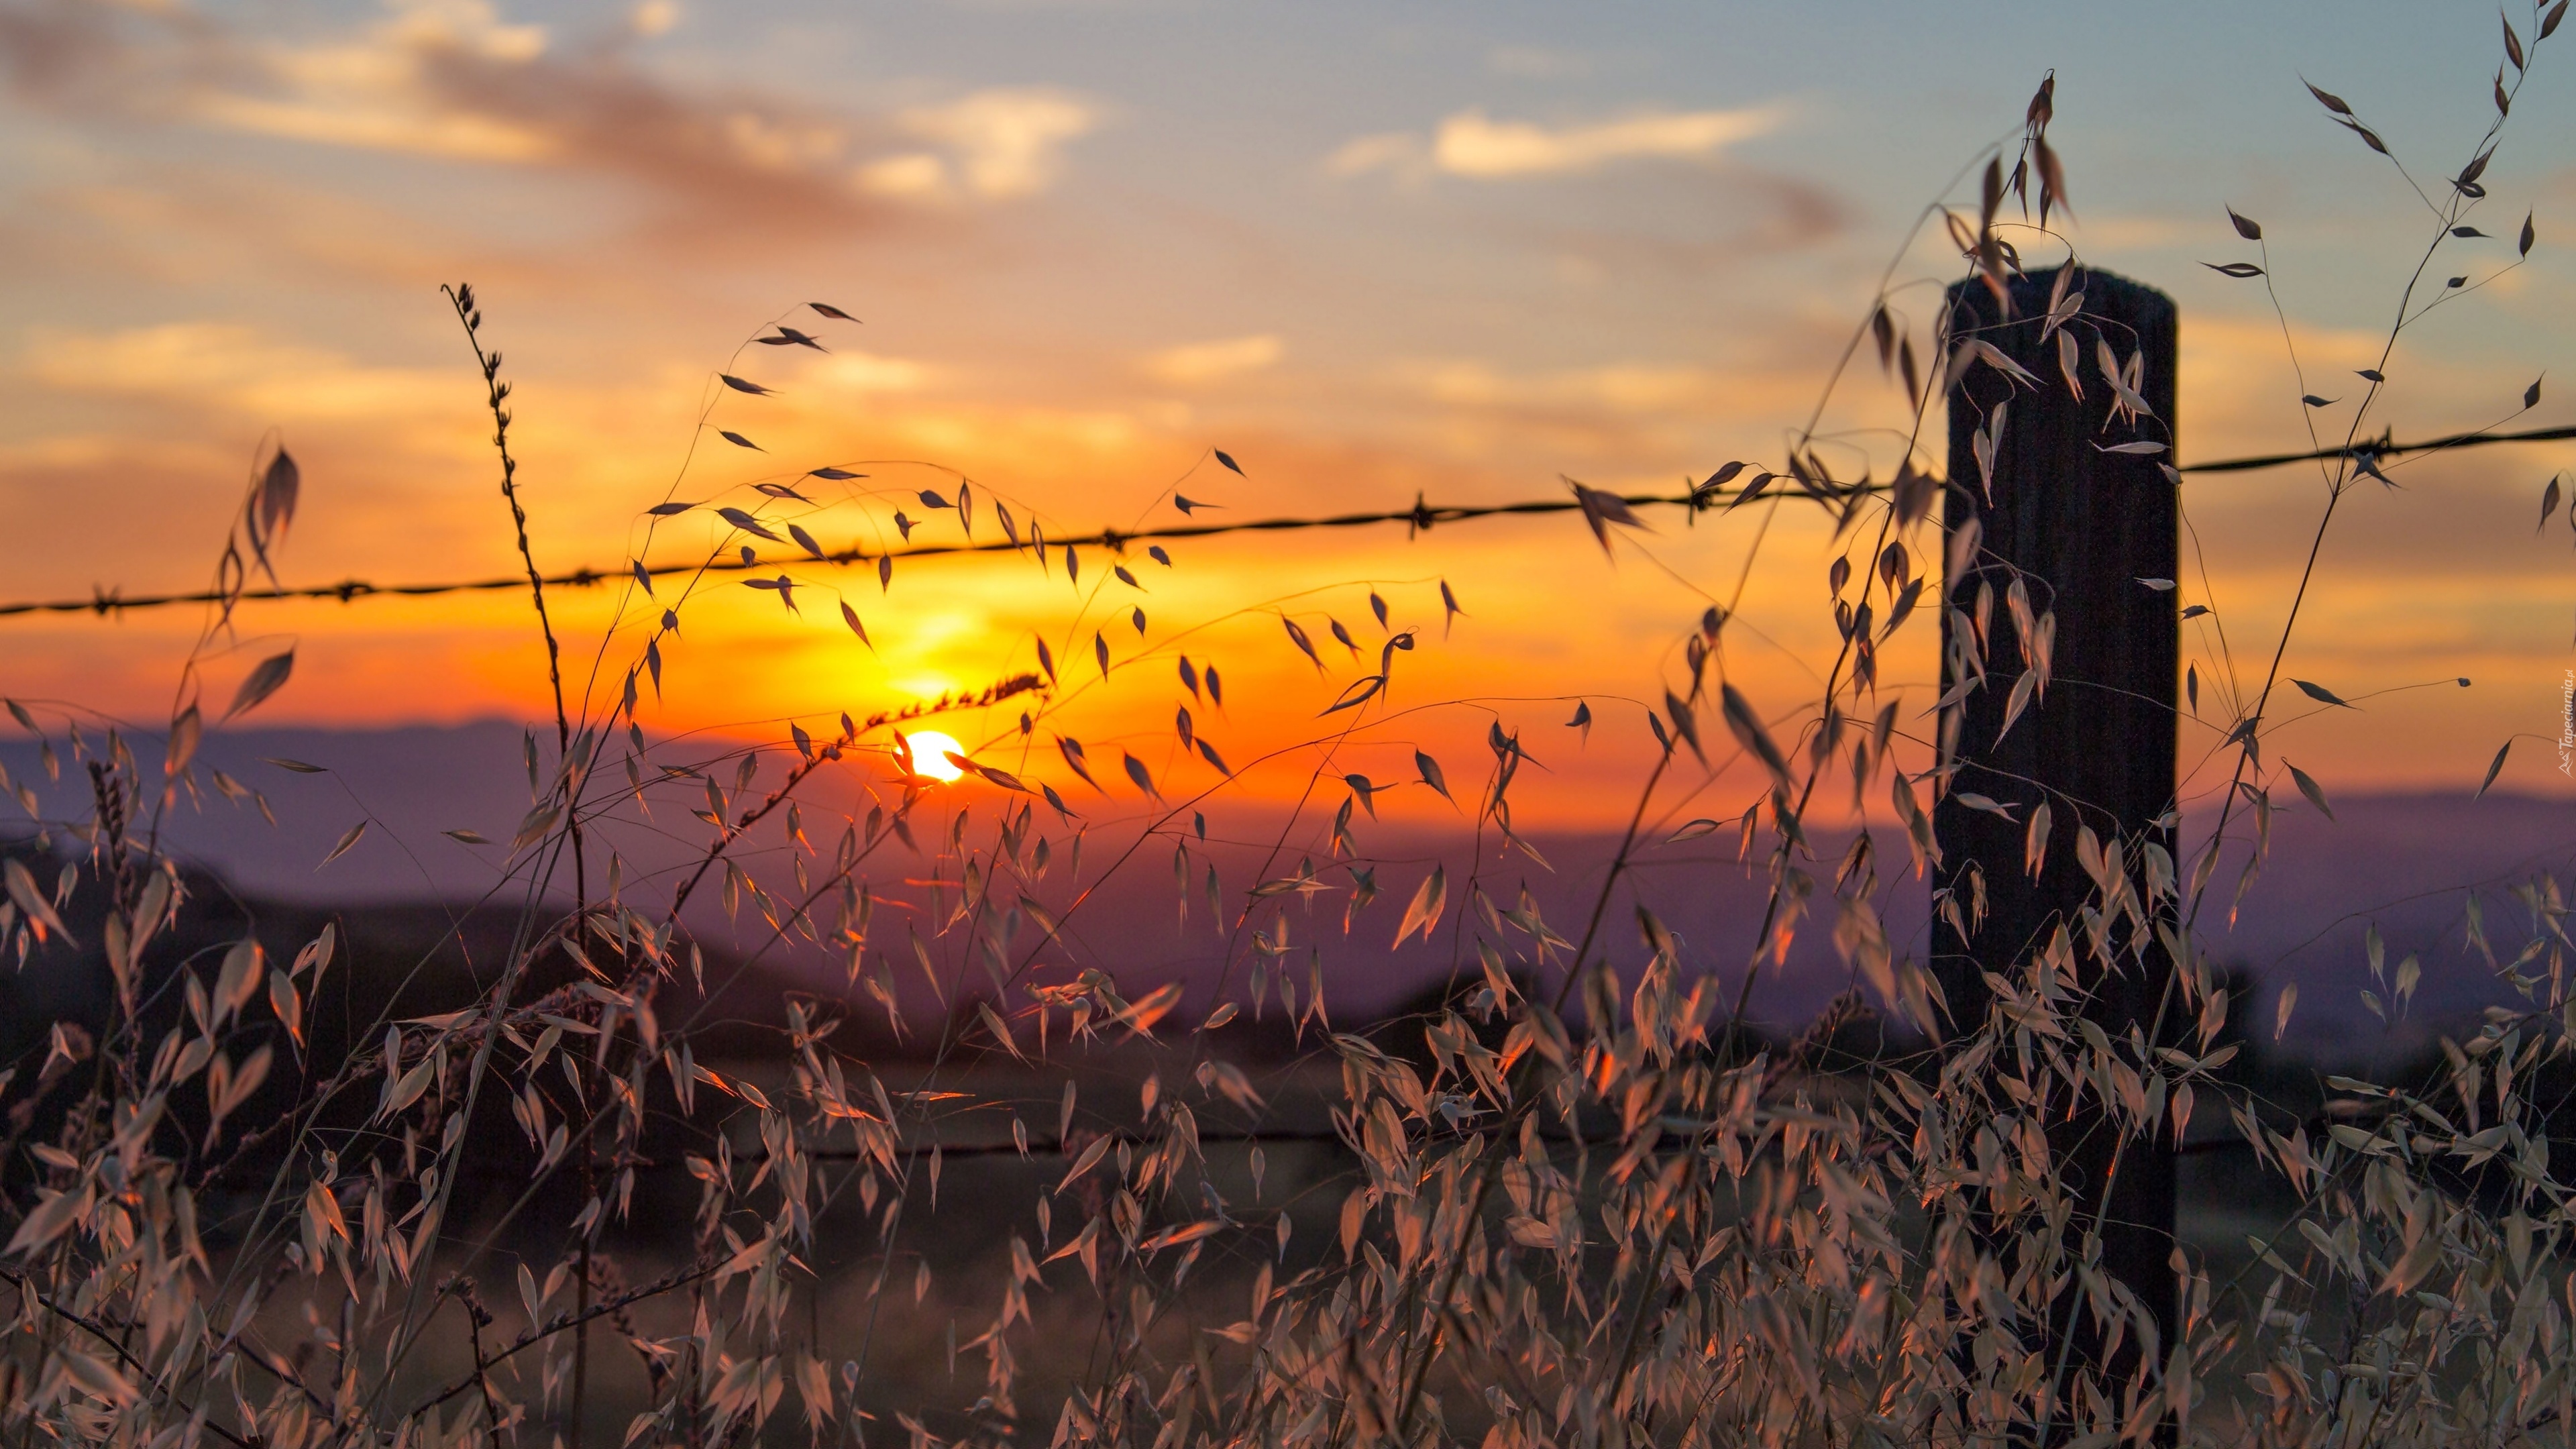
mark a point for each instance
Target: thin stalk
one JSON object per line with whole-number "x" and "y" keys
{"x": 496, "y": 392}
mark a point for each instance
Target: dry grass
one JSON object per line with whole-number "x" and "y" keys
{"x": 1569, "y": 1206}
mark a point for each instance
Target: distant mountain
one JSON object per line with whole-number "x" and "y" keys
{"x": 413, "y": 782}
{"x": 2410, "y": 863}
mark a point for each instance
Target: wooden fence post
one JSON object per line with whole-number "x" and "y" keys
{"x": 2081, "y": 527}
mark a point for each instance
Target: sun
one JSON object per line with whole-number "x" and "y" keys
{"x": 930, "y": 751}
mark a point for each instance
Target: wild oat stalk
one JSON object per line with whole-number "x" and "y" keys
{"x": 1574, "y": 1204}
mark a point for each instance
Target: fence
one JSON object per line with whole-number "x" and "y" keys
{"x": 1420, "y": 516}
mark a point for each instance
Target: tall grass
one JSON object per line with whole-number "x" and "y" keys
{"x": 1571, "y": 1206}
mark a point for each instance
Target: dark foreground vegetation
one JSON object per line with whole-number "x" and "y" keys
{"x": 546, "y": 1167}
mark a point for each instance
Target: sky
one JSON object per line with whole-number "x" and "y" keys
{"x": 1453, "y": 251}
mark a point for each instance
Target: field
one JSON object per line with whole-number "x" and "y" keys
{"x": 1974, "y": 1029}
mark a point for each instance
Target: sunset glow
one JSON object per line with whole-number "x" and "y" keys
{"x": 1683, "y": 722}
{"x": 1458, "y": 257}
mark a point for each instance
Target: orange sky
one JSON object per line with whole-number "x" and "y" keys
{"x": 1503, "y": 248}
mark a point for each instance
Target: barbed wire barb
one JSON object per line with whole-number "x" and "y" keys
{"x": 105, "y": 601}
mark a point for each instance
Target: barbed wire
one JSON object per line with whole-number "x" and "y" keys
{"x": 1421, "y": 516}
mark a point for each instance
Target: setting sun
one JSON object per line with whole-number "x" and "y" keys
{"x": 930, "y": 751}
{"x": 1383, "y": 460}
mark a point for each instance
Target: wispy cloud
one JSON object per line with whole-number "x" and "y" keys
{"x": 1623, "y": 417}
{"x": 1400, "y": 152}
{"x": 1473, "y": 144}
{"x": 1200, "y": 363}
{"x": 449, "y": 79}
{"x": 379, "y": 89}
{"x": 1633, "y": 388}
{"x": 232, "y": 368}
{"x": 1005, "y": 142}
{"x": 866, "y": 372}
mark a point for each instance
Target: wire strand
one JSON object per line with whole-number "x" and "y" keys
{"x": 1420, "y": 516}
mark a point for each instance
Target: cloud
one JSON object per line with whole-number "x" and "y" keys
{"x": 448, "y": 79}
{"x": 1395, "y": 153}
{"x": 655, "y": 17}
{"x": 155, "y": 223}
{"x": 1613, "y": 416}
{"x": 1008, "y": 142}
{"x": 235, "y": 368}
{"x": 914, "y": 174}
{"x": 2141, "y": 231}
{"x": 378, "y": 90}
{"x": 379, "y": 128}
{"x": 1204, "y": 362}
{"x": 1634, "y": 388}
{"x": 1472, "y": 144}
{"x": 1400, "y": 152}
{"x": 867, "y": 372}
